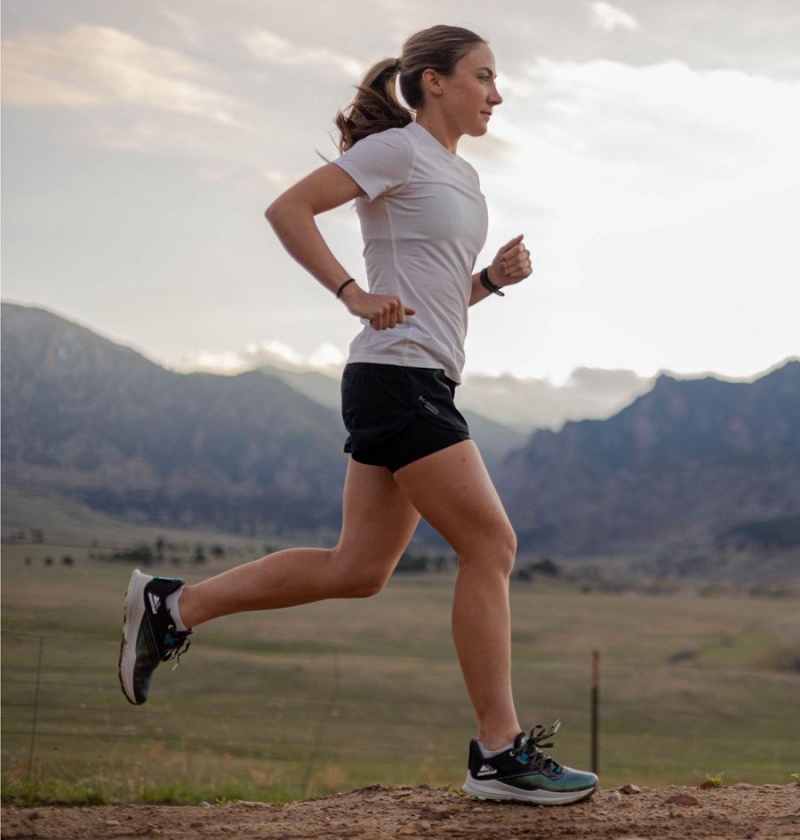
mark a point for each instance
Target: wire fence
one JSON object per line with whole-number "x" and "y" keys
{"x": 306, "y": 721}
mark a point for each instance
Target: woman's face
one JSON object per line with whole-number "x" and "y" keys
{"x": 470, "y": 93}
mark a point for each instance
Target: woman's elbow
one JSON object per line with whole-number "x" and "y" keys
{"x": 273, "y": 212}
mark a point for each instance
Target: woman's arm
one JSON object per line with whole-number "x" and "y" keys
{"x": 511, "y": 264}
{"x": 292, "y": 218}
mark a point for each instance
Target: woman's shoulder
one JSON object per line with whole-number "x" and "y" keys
{"x": 394, "y": 137}
{"x": 395, "y": 144}
{"x": 380, "y": 161}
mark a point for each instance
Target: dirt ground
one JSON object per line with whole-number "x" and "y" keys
{"x": 770, "y": 812}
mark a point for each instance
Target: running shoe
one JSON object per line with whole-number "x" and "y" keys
{"x": 149, "y": 636}
{"x": 525, "y": 774}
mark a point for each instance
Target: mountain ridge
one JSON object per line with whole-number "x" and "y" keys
{"x": 129, "y": 437}
{"x": 697, "y": 468}
{"x": 685, "y": 462}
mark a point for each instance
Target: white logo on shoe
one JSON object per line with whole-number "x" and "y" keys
{"x": 155, "y": 602}
{"x": 487, "y": 770}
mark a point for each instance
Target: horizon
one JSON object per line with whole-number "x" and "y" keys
{"x": 234, "y": 363}
{"x": 523, "y": 404}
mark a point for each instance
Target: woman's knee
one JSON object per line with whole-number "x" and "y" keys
{"x": 496, "y": 552}
{"x": 363, "y": 586}
{"x": 507, "y": 550}
{"x": 359, "y": 578}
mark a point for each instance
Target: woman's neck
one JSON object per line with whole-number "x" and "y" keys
{"x": 437, "y": 128}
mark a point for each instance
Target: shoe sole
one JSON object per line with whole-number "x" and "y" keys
{"x": 501, "y": 792}
{"x": 132, "y": 621}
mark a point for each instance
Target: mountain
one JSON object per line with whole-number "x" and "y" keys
{"x": 694, "y": 477}
{"x": 260, "y": 452}
{"x": 103, "y": 425}
{"x": 692, "y": 467}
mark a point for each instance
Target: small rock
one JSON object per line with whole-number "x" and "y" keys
{"x": 415, "y": 828}
{"x": 683, "y": 799}
{"x": 682, "y": 656}
{"x": 743, "y": 786}
{"x": 34, "y": 815}
{"x": 435, "y": 813}
{"x": 628, "y": 790}
{"x": 614, "y": 797}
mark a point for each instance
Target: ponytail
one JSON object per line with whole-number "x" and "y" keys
{"x": 375, "y": 108}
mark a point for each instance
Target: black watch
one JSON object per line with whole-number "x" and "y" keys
{"x": 488, "y": 285}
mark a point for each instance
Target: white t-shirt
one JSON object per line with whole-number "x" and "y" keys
{"x": 424, "y": 223}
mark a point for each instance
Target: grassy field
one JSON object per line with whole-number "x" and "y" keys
{"x": 343, "y": 694}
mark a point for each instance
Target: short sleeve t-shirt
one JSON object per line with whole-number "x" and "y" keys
{"x": 424, "y": 222}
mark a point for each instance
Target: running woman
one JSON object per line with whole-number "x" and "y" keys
{"x": 424, "y": 221}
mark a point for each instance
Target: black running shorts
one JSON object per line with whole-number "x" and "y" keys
{"x": 395, "y": 415}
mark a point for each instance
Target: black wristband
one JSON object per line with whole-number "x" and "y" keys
{"x": 346, "y": 283}
{"x": 488, "y": 285}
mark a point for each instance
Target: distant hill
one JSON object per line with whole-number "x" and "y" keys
{"x": 694, "y": 467}
{"x": 260, "y": 452}
{"x": 693, "y": 477}
{"x": 102, "y": 424}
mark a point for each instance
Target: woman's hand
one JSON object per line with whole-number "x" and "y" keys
{"x": 512, "y": 263}
{"x": 384, "y": 312}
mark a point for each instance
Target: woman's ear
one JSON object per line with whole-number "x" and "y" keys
{"x": 431, "y": 82}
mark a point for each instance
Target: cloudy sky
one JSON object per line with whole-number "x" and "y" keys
{"x": 648, "y": 150}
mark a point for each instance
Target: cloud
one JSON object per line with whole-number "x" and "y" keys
{"x": 608, "y": 18}
{"x": 651, "y": 196}
{"x": 325, "y": 359}
{"x": 95, "y": 66}
{"x": 528, "y": 402}
{"x": 279, "y": 180}
{"x": 188, "y": 29}
{"x": 666, "y": 124}
{"x": 269, "y": 48}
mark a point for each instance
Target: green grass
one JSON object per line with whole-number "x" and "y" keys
{"x": 272, "y": 706}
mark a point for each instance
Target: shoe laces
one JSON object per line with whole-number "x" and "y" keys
{"x": 527, "y": 749}
{"x": 176, "y": 643}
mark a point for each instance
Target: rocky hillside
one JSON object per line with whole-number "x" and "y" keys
{"x": 102, "y": 424}
{"x": 692, "y": 463}
{"x": 691, "y": 471}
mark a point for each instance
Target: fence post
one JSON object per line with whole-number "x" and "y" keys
{"x": 34, "y": 722}
{"x": 595, "y": 710}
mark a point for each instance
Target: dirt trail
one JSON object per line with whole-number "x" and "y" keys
{"x": 770, "y": 812}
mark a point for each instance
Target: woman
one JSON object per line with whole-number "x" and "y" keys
{"x": 424, "y": 222}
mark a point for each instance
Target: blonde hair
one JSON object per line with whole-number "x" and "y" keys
{"x": 376, "y": 106}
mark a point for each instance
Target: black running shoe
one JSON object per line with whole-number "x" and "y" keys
{"x": 525, "y": 774}
{"x": 149, "y": 636}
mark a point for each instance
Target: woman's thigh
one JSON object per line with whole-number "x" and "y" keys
{"x": 378, "y": 520}
{"x": 453, "y": 491}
